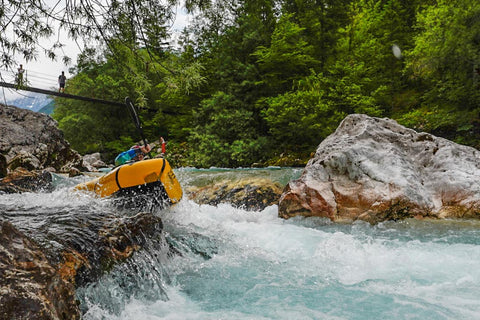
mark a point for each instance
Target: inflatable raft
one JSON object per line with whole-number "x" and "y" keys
{"x": 153, "y": 177}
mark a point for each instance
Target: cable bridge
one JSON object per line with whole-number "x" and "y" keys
{"x": 59, "y": 94}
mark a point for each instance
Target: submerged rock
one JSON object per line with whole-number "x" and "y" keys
{"x": 107, "y": 241}
{"x": 247, "y": 193}
{"x": 22, "y": 180}
{"x": 33, "y": 141}
{"x": 374, "y": 169}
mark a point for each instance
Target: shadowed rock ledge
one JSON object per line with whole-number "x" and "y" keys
{"x": 38, "y": 280}
{"x": 31, "y": 288}
{"x": 374, "y": 169}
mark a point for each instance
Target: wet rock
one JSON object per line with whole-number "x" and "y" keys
{"x": 3, "y": 166}
{"x": 122, "y": 237}
{"x": 30, "y": 286}
{"x": 22, "y": 180}
{"x": 247, "y": 193}
{"x": 74, "y": 172}
{"x": 32, "y": 140}
{"x": 374, "y": 169}
{"x": 106, "y": 241}
{"x": 38, "y": 278}
{"x": 93, "y": 162}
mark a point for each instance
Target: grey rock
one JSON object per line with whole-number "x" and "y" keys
{"x": 374, "y": 169}
{"x": 93, "y": 161}
{"x": 32, "y": 140}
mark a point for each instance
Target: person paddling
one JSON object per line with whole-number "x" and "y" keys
{"x": 135, "y": 153}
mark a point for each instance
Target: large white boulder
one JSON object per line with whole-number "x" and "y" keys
{"x": 374, "y": 169}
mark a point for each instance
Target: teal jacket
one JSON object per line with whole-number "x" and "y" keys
{"x": 126, "y": 156}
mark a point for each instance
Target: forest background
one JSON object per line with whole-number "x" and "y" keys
{"x": 265, "y": 81}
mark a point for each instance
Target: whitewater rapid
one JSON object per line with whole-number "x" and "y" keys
{"x": 234, "y": 264}
{"x": 256, "y": 266}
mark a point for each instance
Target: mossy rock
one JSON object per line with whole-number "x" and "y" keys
{"x": 248, "y": 193}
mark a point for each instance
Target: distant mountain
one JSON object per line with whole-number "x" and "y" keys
{"x": 48, "y": 109}
{"x": 32, "y": 101}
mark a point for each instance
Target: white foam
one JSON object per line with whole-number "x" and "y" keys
{"x": 431, "y": 275}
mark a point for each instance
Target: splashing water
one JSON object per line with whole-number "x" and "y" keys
{"x": 234, "y": 264}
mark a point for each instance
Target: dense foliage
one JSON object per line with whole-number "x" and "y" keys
{"x": 255, "y": 80}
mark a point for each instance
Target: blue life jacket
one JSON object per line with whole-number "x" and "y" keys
{"x": 126, "y": 156}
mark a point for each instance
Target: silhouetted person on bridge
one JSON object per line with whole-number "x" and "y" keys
{"x": 61, "y": 82}
{"x": 19, "y": 80}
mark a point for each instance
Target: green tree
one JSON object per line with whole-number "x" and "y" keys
{"x": 445, "y": 61}
{"x": 321, "y": 21}
{"x": 225, "y": 135}
{"x": 91, "y": 127}
{"x": 301, "y": 118}
{"x": 288, "y": 58}
{"x": 225, "y": 47}
{"x": 368, "y": 75}
{"x": 27, "y": 24}
{"x": 157, "y": 91}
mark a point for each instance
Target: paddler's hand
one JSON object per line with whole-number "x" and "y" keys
{"x": 146, "y": 149}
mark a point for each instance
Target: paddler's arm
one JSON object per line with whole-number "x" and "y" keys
{"x": 145, "y": 149}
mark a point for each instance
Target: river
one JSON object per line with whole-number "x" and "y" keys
{"x": 235, "y": 264}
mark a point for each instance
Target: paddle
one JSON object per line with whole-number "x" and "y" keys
{"x": 136, "y": 119}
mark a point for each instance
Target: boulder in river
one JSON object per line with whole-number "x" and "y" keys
{"x": 33, "y": 141}
{"x": 246, "y": 193}
{"x": 93, "y": 162}
{"x": 374, "y": 169}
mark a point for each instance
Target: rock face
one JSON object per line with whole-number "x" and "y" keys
{"x": 87, "y": 257}
{"x": 247, "y": 193}
{"x": 31, "y": 287}
{"x": 38, "y": 280}
{"x": 374, "y": 169}
{"x": 32, "y": 140}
